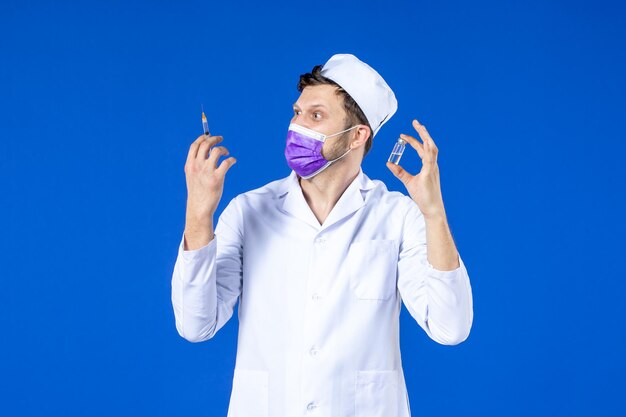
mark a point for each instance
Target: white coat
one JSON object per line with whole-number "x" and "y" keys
{"x": 319, "y": 305}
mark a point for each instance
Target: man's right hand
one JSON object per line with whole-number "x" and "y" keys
{"x": 205, "y": 184}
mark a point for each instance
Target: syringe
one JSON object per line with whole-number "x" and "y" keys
{"x": 205, "y": 123}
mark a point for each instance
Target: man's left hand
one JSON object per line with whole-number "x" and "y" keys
{"x": 424, "y": 188}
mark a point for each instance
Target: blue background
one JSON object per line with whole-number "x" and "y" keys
{"x": 99, "y": 103}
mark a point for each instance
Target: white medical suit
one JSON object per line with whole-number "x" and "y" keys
{"x": 319, "y": 305}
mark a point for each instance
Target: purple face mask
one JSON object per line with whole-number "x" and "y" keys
{"x": 304, "y": 150}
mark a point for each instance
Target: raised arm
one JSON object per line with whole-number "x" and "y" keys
{"x": 207, "y": 281}
{"x": 207, "y": 273}
{"x": 432, "y": 280}
{"x": 440, "y": 301}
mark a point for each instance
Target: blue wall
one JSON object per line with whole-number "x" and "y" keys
{"x": 99, "y": 103}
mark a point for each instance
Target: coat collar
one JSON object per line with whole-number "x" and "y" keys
{"x": 352, "y": 199}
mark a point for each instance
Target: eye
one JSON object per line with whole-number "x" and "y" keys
{"x": 295, "y": 111}
{"x": 317, "y": 115}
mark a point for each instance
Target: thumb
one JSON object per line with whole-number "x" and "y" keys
{"x": 399, "y": 172}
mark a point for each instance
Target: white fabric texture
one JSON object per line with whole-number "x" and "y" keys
{"x": 365, "y": 85}
{"x": 319, "y": 305}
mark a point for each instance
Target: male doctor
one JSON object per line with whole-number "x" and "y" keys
{"x": 321, "y": 260}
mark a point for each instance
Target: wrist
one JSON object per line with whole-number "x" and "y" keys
{"x": 195, "y": 221}
{"x": 196, "y": 239}
{"x": 437, "y": 216}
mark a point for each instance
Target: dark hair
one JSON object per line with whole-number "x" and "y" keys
{"x": 355, "y": 114}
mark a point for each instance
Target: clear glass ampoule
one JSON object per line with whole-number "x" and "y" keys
{"x": 397, "y": 151}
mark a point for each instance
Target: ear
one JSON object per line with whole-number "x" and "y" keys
{"x": 362, "y": 133}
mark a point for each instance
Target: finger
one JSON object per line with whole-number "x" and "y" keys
{"x": 205, "y": 147}
{"x": 427, "y": 168}
{"x": 421, "y": 129}
{"x": 399, "y": 172}
{"x": 428, "y": 158}
{"x": 214, "y": 155}
{"x": 193, "y": 149}
{"x": 430, "y": 148}
{"x": 209, "y": 141}
{"x": 414, "y": 143}
{"x": 214, "y": 139}
{"x": 225, "y": 165}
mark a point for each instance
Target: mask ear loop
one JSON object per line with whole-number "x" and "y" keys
{"x": 346, "y": 152}
{"x": 349, "y": 149}
{"x": 329, "y": 163}
{"x": 338, "y": 133}
{"x": 326, "y": 165}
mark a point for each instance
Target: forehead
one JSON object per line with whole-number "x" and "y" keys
{"x": 320, "y": 94}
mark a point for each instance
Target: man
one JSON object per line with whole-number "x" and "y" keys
{"x": 321, "y": 260}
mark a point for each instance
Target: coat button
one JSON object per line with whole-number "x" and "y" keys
{"x": 311, "y": 406}
{"x": 313, "y": 351}
{"x": 315, "y": 297}
{"x": 320, "y": 240}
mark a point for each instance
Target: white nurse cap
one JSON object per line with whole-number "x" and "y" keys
{"x": 365, "y": 86}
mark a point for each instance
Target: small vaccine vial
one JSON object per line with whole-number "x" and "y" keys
{"x": 397, "y": 151}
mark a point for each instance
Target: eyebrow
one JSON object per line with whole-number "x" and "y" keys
{"x": 312, "y": 106}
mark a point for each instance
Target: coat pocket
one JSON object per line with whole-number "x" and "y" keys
{"x": 376, "y": 394}
{"x": 250, "y": 394}
{"x": 373, "y": 265}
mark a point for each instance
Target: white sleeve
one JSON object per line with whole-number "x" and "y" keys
{"x": 206, "y": 282}
{"x": 440, "y": 301}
